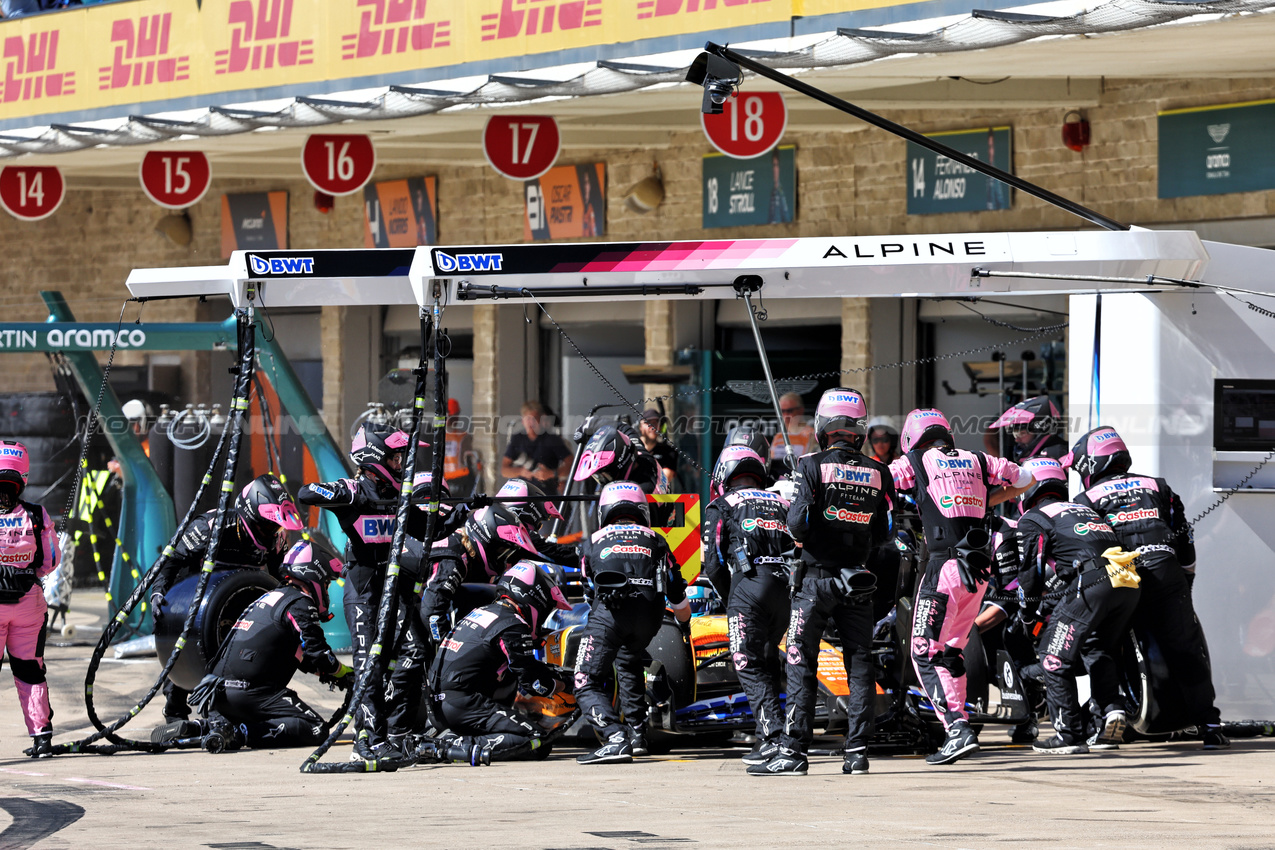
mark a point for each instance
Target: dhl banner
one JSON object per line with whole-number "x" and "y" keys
{"x": 683, "y": 538}
{"x": 401, "y": 213}
{"x": 150, "y": 51}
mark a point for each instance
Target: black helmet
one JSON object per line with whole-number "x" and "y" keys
{"x": 499, "y": 538}
{"x": 751, "y": 436}
{"x": 313, "y": 564}
{"x": 1097, "y": 455}
{"x": 535, "y": 589}
{"x": 841, "y": 418}
{"x": 623, "y": 500}
{"x": 267, "y": 512}
{"x": 734, "y": 461}
{"x": 608, "y": 456}
{"x": 1037, "y": 414}
{"x": 536, "y": 509}
{"x": 374, "y": 448}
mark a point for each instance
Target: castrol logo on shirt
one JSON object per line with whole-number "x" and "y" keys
{"x": 960, "y": 500}
{"x": 764, "y": 524}
{"x": 1133, "y": 516}
{"x": 624, "y": 549}
{"x": 16, "y": 557}
{"x": 1086, "y": 527}
{"x": 843, "y": 515}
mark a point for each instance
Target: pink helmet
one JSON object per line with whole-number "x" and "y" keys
{"x": 841, "y": 416}
{"x": 266, "y": 511}
{"x": 623, "y": 499}
{"x": 1051, "y": 479}
{"x": 922, "y": 426}
{"x": 421, "y": 482}
{"x": 499, "y": 536}
{"x": 15, "y": 464}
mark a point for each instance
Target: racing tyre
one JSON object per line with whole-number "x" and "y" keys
{"x": 670, "y": 651}
{"x": 228, "y": 595}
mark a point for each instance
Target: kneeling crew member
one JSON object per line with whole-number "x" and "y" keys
{"x": 841, "y": 512}
{"x": 485, "y": 656}
{"x": 1069, "y": 552}
{"x": 256, "y": 536}
{"x": 744, "y": 541}
{"x": 280, "y": 633}
{"x": 622, "y": 624}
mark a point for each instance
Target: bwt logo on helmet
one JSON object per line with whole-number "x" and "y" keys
{"x": 959, "y": 500}
{"x": 1104, "y": 436}
{"x": 843, "y": 515}
{"x": 281, "y": 265}
{"x": 1086, "y": 527}
{"x": 491, "y": 262}
{"x": 8, "y": 452}
{"x": 624, "y": 549}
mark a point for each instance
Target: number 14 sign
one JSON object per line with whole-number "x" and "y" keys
{"x": 31, "y": 192}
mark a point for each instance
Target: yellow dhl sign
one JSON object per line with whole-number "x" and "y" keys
{"x": 165, "y": 50}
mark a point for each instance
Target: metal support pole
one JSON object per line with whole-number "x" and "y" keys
{"x": 746, "y": 294}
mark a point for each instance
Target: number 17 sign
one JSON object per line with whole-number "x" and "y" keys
{"x": 521, "y": 147}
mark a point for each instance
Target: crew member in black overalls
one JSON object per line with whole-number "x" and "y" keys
{"x": 1070, "y": 554}
{"x": 1148, "y": 517}
{"x": 841, "y": 511}
{"x": 634, "y": 561}
{"x": 744, "y": 537}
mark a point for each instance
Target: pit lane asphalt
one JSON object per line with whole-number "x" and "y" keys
{"x": 1143, "y": 796}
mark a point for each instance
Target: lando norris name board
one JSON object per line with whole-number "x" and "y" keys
{"x": 937, "y": 184}
{"x": 1214, "y": 150}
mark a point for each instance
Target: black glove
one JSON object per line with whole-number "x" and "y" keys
{"x": 852, "y": 582}
{"x": 684, "y": 627}
{"x": 157, "y": 599}
{"x": 579, "y": 435}
{"x": 1029, "y": 617}
{"x": 479, "y": 500}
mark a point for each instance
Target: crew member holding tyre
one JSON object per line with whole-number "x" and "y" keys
{"x": 1148, "y": 517}
{"x": 1069, "y": 553}
{"x": 633, "y": 574}
{"x": 364, "y": 507}
{"x": 744, "y": 541}
{"x": 952, "y": 490}
{"x": 28, "y": 552}
{"x": 490, "y": 650}
{"x": 247, "y": 695}
{"x": 255, "y": 537}
{"x": 840, "y": 512}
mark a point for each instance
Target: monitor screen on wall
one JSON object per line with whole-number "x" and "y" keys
{"x": 1243, "y": 415}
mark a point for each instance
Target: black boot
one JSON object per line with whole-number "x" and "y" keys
{"x": 42, "y": 745}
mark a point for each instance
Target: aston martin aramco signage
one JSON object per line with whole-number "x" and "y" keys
{"x": 937, "y": 184}
{"x": 92, "y": 336}
{"x": 1213, "y": 150}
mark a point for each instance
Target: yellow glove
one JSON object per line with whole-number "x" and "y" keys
{"x": 1120, "y": 568}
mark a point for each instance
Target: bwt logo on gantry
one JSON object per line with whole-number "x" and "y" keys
{"x": 445, "y": 262}
{"x": 281, "y": 265}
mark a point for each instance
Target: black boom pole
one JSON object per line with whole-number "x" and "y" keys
{"x": 899, "y": 130}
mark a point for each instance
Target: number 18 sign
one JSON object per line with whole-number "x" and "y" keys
{"x": 748, "y": 125}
